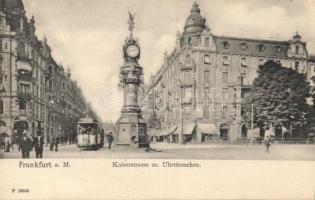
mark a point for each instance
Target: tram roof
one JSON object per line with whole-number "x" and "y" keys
{"x": 87, "y": 121}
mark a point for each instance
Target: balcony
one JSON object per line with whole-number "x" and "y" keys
{"x": 23, "y": 65}
{"x": 24, "y": 95}
{"x": 186, "y": 83}
{"x": 24, "y": 76}
{"x": 186, "y": 66}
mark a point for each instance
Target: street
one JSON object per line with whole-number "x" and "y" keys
{"x": 301, "y": 152}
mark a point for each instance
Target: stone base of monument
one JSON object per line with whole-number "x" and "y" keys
{"x": 132, "y": 130}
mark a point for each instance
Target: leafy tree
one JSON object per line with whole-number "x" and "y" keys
{"x": 278, "y": 96}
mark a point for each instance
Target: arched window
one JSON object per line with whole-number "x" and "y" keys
{"x": 1, "y": 107}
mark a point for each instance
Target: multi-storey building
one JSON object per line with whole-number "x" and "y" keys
{"x": 199, "y": 89}
{"x": 35, "y": 92}
{"x": 311, "y": 77}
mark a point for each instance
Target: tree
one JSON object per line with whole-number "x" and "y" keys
{"x": 278, "y": 96}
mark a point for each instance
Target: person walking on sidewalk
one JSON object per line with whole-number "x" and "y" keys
{"x": 110, "y": 140}
{"x": 39, "y": 145}
{"x": 25, "y": 146}
{"x": 52, "y": 143}
{"x": 57, "y": 140}
{"x": 267, "y": 143}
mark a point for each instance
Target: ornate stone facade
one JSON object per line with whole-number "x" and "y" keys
{"x": 131, "y": 128}
{"x": 198, "y": 91}
{"x": 36, "y": 93}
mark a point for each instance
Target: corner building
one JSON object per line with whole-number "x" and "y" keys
{"x": 197, "y": 93}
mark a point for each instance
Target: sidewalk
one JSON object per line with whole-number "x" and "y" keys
{"x": 165, "y": 145}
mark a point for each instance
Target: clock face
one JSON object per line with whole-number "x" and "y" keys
{"x": 133, "y": 51}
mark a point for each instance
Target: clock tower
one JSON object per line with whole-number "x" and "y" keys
{"x": 132, "y": 129}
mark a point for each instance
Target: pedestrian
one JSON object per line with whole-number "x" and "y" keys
{"x": 110, "y": 140}
{"x": 267, "y": 143}
{"x": 56, "y": 143}
{"x": 7, "y": 144}
{"x": 39, "y": 145}
{"x": 25, "y": 146}
{"x": 52, "y": 144}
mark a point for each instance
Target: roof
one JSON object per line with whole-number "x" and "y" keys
{"x": 195, "y": 22}
{"x": 13, "y": 4}
{"x": 14, "y": 17}
{"x": 311, "y": 58}
{"x": 207, "y": 128}
{"x": 87, "y": 121}
{"x": 251, "y": 47}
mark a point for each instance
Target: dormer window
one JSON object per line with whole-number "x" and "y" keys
{"x": 225, "y": 44}
{"x": 243, "y": 46}
{"x": 226, "y": 60}
{"x": 278, "y": 49}
{"x": 261, "y": 48}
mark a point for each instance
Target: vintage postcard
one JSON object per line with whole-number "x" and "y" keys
{"x": 155, "y": 99}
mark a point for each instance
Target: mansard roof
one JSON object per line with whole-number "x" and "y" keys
{"x": 14, "y": 4}
{"x": 251, "y": 47}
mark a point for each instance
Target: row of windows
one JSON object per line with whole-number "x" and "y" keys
{"x": 244, "y": 46}
{"x": 225, "y": 61}
{"x": 259, "y": 47}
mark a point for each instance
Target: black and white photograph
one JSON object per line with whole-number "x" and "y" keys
{"x": 179, "y": 81}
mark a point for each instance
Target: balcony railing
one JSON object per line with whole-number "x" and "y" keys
{"x": 24, "y": 76}
{"x": 24, "y": 95}
{"x": 187, "y": 66}
{"x": 23, "y": 65}
{"x": 186, "y": 82}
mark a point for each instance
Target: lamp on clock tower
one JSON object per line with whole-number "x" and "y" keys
{"x": 131, "y": 128}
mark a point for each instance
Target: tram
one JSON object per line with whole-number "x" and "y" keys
{"x": 90, "y": 134}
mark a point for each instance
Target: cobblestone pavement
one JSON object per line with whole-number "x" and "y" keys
{"x": 189, "y": 151}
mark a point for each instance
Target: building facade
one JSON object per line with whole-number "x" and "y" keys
{"x": 198, "y": 91}
{"x": 36, "y": 94}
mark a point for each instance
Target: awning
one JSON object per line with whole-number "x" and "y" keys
{"x": 152, "y": 132}
{"x": 188, "y": 128}
{"x": 171, "y": 130}
{"x": 208, "y": 129}
{"x": 22, "y": 65}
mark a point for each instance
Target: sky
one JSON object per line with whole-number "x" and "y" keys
{"x": 87, "y": 36}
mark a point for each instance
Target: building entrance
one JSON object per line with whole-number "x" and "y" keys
{"x": 224, "y": 131}
{"x": 244, "y": 131}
